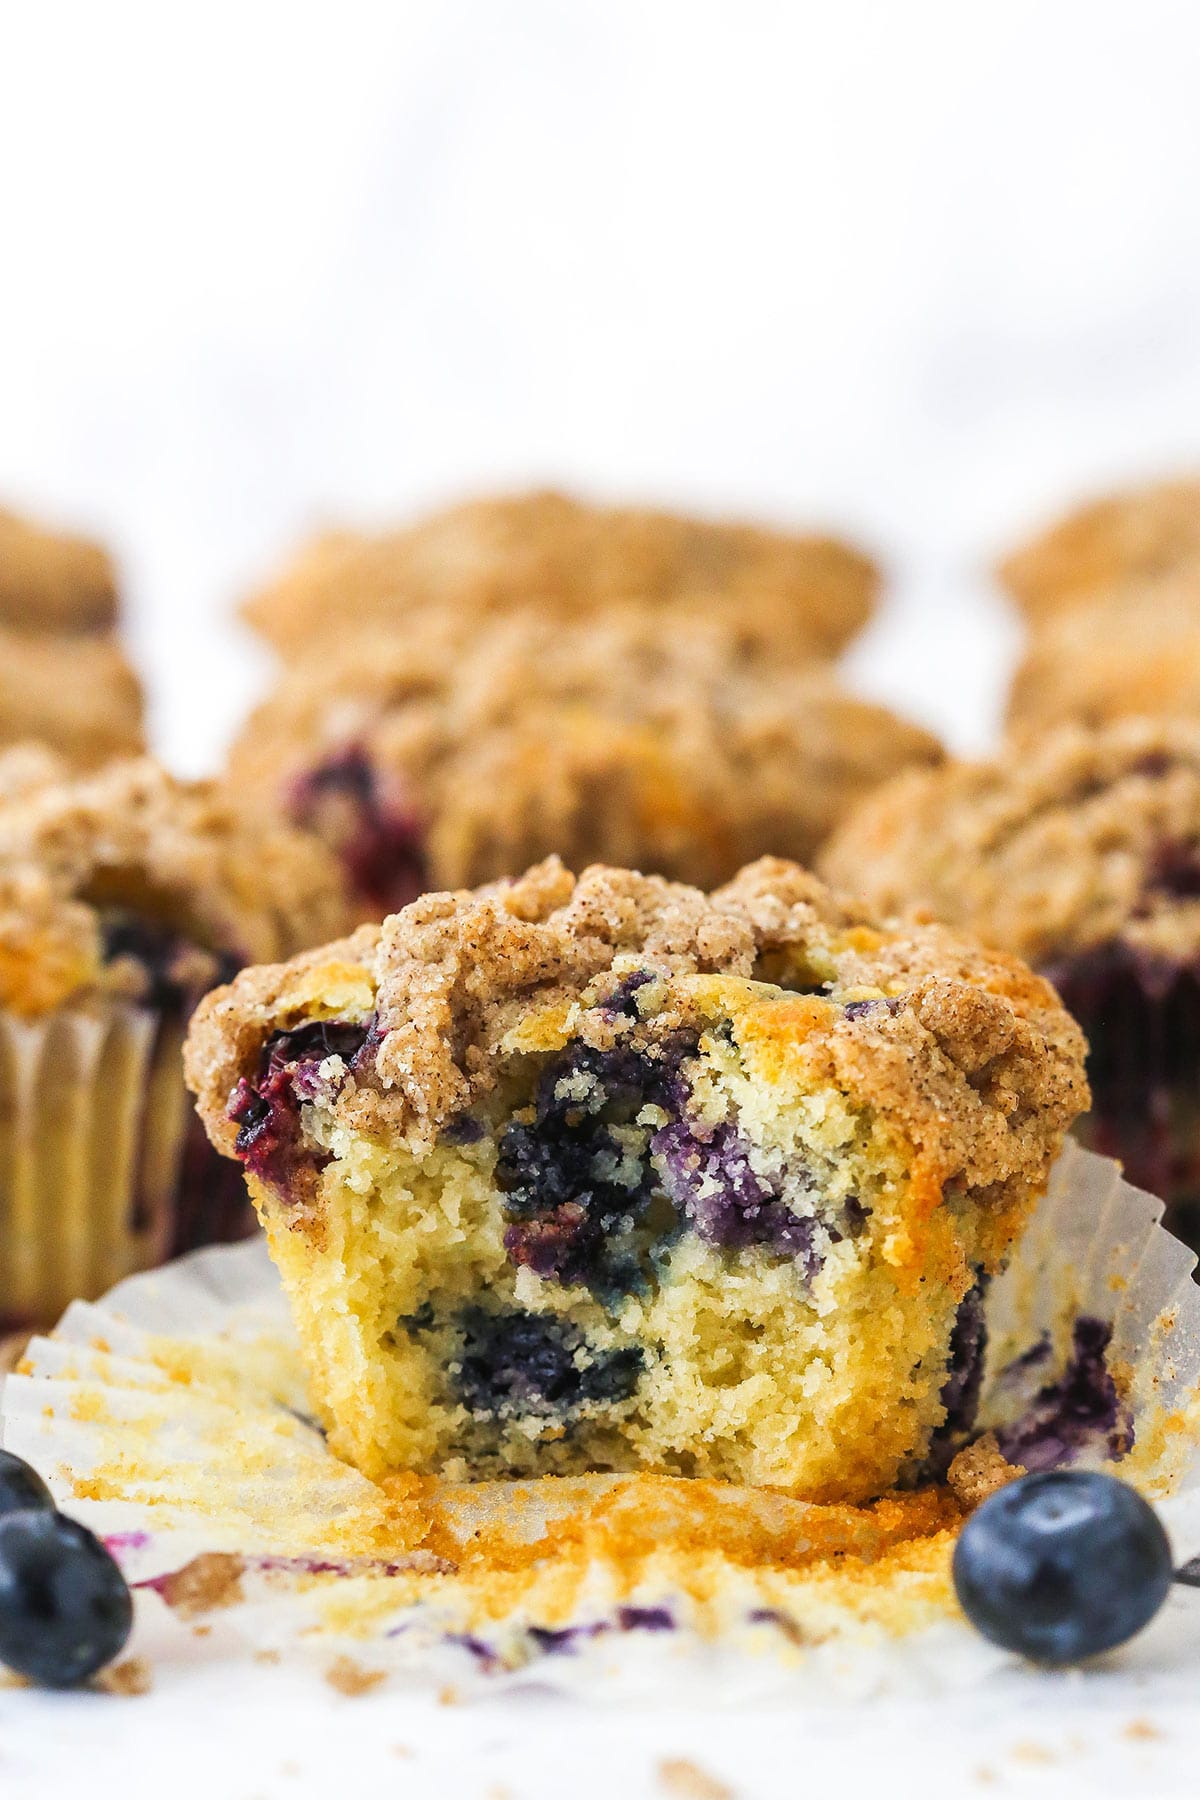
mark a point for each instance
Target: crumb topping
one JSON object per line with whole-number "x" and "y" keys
{"x": 1135, "y": 651}
{"x": 1126, "y": 537}
{"x": 615, "y": 739}
{"x": 132, "y": 837}
{"x": 1067, "y": 840}
{"x": 53, "y": 581}
{"x": 970, "y": 1053}
{"x": 77, "y": 693}
{"x": 791, "y": 594}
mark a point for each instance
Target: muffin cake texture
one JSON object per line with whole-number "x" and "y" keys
{"x": 789, "y": 595}
{"x": 449, "y": 759}
{"x": 1134, "y": 651}
{"x": 1129, "y": 537}
{"x": 602, "y": 1173}
{"x": 1079, "y": 851}
{"x": 124, "y": 896}
{"x": 51, "y": 581}
{"x": 78, "y": 694}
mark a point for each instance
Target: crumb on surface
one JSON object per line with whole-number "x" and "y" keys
{"x": 1030, "y": 1751}
{"x": 350, "y": 1677}
{"x": 131, "y": 1677}
{"x": 1143, "y": 1731}
{"x": 680, "y": 1776}
{"x": 206, "y": 1584}
{"x": 981, "y": 1470}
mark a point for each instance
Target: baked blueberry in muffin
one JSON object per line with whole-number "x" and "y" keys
{"x": 791, "y": 596}
{"x": 52, "y": 581}
{"x": 1080, "y": 851}
{"x": 602, "y": 1173}
{"x": 1133, "y": 651}
{"x": 124, "y": 896}
{"x": 444, "y": 759}
{"x": 1133, "y": 537}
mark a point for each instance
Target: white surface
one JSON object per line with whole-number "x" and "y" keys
{"x": 922, "y": 270}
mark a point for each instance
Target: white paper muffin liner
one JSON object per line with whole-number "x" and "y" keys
{"x": 171, "y": 1417}
{"x": 92, "y": 1132}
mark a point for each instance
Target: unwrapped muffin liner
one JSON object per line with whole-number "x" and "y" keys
{"x": 172, "y": 1417}
{"x": 93, "y": 1128}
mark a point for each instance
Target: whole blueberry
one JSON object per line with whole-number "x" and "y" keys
{"x": 22, "y": 1488}
{"x": 1062, "y": 1565}
{"x": 65, "y": 1609}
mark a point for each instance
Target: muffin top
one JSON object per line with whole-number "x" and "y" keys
{"x": 790, "y": 594}
{"x": 51, "y": 581}
{"x": 1131, "y": 536}
{"x": 1132, "y": 650}
{"x": 97, "y": 869}
{"x": 506, "y": 742}
{"x": 967, "y": 1050}
{"x": 1066, "y": 840}
{"x": 77, "y": 693}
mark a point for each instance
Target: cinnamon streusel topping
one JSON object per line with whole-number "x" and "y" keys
{"x": 792, "y": 595}
{"x": 1065, "y": 840}
{"x": 1127, "y": 537}
{"x": 51, "y": 581}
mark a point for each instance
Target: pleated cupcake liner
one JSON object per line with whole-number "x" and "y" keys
{"x": 173, "y": 1417}
{"x": 92, "y": 1135}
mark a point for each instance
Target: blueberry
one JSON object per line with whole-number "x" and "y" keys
{"x": 22, "y": 1488}
{"x": 1062, "y": 1565}
{"x": 65, "y": 1609}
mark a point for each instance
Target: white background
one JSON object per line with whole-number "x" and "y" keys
{"x": 922, "y": 270}
{"x": 925, "y": 270}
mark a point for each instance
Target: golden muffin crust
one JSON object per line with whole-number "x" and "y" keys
{"x": 1134, "y": 651}
{"x": 791, "y": 595}
{"x": 607, "y": 742}
{"x": 78, "y": 694}
{"x": 132, "y": 837}
{"x": 970, "y": 1048}
{"x": 1066, "y": 840}
{"x": 1127, "y": 537}
{"x": 52, "y": 581}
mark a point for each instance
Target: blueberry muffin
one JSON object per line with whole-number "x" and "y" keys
{"x": 124, "y": 896}
{"x": 78, "y": 694}
{"x": 52, "y": 582}
{"x": 1134, "y": 536}
{"x": 792, "y": 596}
{"x": 444, "y": 759}
{"x": 602, "y": 1173}
{"x": 1079, "y": 851}
{"x": 1132, "y": 651}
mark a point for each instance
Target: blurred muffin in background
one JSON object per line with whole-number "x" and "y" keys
{"x": 781, "y": 593}
{"x": 78, "y": 694}
{"x": 1129, "y": 537}
{"x": 1132, "y": 650}
{"x": 53, "y": 581}
{"x": 124, "y": 897}
{"x": 1079, "y": 851}
{"x": 448, "y": 760}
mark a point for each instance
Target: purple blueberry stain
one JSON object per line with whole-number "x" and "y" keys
{"x": 379, "y": 837}
{"x": 645, "y": 1618}
{"x": 963, "y": 1384}
{"x": 1140, "y": 1012}
{"x": 707, "y": 1173}
{"x": 267, "y": 1110}
{"x": 1080, "y": 1412}
{"x": 574, "y": 1193}
{"x": 519, "y": 1364}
